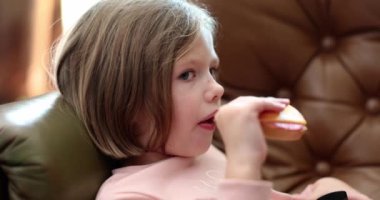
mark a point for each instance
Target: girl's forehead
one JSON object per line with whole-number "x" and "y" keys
{"x": 202, "y": 46}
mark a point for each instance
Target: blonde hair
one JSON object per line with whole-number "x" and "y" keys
{"x": 117, "y": 62}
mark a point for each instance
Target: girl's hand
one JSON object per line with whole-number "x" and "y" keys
{"x": 241, "y": 132}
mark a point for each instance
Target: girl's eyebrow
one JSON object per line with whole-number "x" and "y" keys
{"x": 194, "y": 61}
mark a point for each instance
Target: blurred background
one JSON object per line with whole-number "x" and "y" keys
{"x": 28, "y": 29}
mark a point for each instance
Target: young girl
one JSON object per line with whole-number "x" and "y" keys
{"x": 141, "y": 76}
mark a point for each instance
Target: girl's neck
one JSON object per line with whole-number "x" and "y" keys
{"x": 146, "y": 158}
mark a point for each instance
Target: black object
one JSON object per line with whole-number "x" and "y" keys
{"x": 338, "y": 195}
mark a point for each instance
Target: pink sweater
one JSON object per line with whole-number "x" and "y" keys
{"x": 184, "y": 178}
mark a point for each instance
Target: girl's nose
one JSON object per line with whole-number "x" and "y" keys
{"x": 215, "y": 91}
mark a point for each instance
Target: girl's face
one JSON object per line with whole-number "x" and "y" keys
{"x": 196, "y": 98}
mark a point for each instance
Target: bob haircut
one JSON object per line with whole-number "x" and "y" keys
{"x": 116, "y": 64}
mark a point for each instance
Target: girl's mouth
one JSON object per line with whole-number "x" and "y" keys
{"x": 208, "y": 124}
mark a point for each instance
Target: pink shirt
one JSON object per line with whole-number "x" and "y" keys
{"x": 180, "y": 178}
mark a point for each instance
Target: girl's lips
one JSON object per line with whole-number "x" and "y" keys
{"x": 208, "y": 122}
{"x": 209, "y": 117}
{"x": 208, "y": 126}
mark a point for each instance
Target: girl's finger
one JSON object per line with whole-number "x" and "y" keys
{"x": 268, "y": 104}
{"x": 281, "y": 100}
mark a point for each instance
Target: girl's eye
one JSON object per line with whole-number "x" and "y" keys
{"x": 187, "y": 75}
{"x": 214, "y": 71}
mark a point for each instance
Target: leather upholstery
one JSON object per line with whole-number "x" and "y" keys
{"x": 45, "y": 152}
{"x": 325, "y": 57}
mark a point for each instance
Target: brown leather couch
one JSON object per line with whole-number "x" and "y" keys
{"x": 323, "y": 55}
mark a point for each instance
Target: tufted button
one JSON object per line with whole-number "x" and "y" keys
{"x": 323, "y": 168}
{"x": 328, "y": 42}
{"x": 373, "y": 105}
{"x": 284, "y": 93}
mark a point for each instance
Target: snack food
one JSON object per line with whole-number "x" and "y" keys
{"x": 289, "y": 124}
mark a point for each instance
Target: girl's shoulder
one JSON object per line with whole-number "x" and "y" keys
{"x": 175, "y": 172}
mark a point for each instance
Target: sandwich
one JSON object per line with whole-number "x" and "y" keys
{"x": 287, "y": 125}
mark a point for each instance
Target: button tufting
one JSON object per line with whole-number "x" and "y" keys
{"x": 323, "y": 168}
{"x": 284, "y": 93}
{"x": 328, "y": 42}
{"x": 373, "y": 105}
